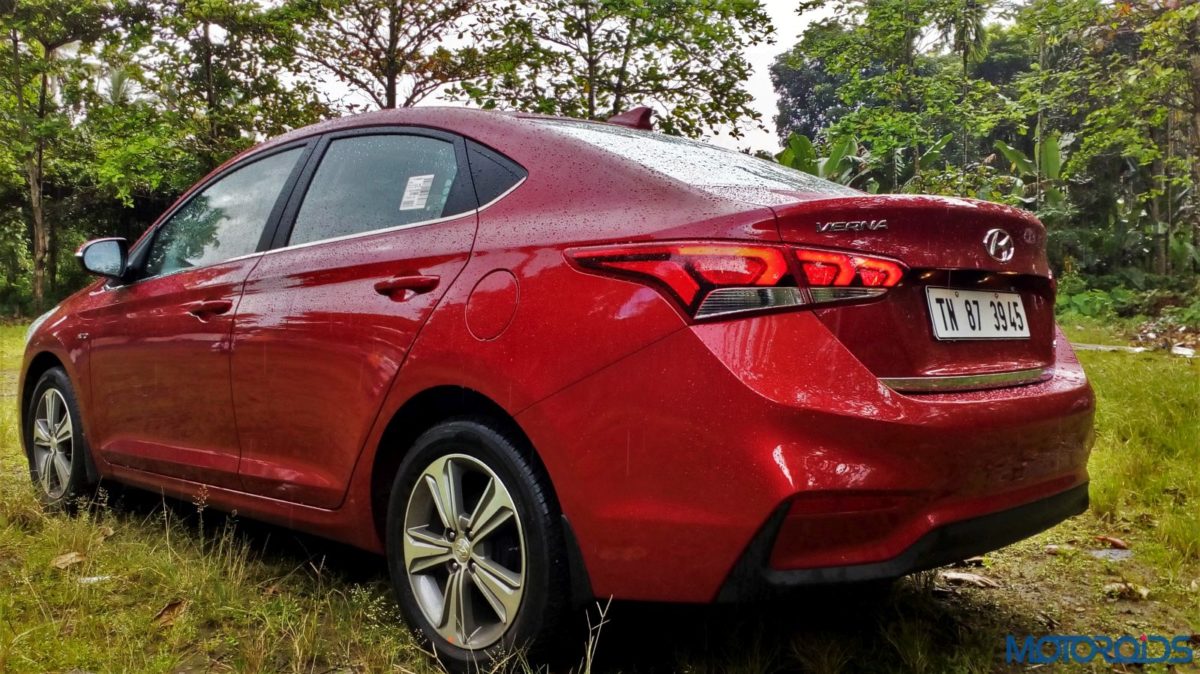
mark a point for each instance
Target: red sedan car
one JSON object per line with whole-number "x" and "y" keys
{"x": 536, "y": 361}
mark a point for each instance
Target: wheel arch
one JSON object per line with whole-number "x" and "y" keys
{"x": 422, "y": 412}
{"x": 41, "y": 363}
{"x": 440, "y": 403}
{"x": 38, "y": 366}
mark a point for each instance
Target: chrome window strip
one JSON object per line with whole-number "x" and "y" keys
{"x": 968, "y": 382}
{"x": 475, "y": 211}
{"x": 397, "y": 228}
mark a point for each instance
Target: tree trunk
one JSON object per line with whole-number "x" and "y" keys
{"x": 45, "y": 95}
{"x": 591, "y": 62}
{"x": 210, "y": 96}
{"x": 1193, "y": 148}
{"x": 623, "y": 71}
{"x": 966, "y": 141}
{"x": 1159, "y": 236}
{"x": 391, "y": 74}
{"x": 41, "y": 234}
{"x": 1194, "y": 153}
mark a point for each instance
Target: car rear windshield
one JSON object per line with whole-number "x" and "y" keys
{"x": 695, "y": 163}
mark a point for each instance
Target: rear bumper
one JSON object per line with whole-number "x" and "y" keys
{"x": 670, "y": 462}
{"x": 753, "y": 578}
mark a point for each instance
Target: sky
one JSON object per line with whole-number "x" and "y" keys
{"x": 788, "y": 27}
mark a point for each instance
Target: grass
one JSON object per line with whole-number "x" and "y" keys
{"x": 1113, "y": 332}
{"x": 165, "y": 586}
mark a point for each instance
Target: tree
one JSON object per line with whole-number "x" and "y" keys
{"x": 961, "y": 25}
{"x": 1141, "y": 105}
{"x": 224, "y": 72}
{"x": 391, "y": 51}
{"x": 808, "y": 89}
{"x": 897, "y": 98}
{"x": 44, "y": 38}
{"x": 595, "y": 58}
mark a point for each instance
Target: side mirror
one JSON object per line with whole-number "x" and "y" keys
{"x": 104, "y": 257}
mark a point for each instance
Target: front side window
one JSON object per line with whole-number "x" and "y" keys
{"x": 225, "y": 220}
{"x": 367, "y": 183}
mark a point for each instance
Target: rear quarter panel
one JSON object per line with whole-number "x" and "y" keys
{"x": 565, "y": 324}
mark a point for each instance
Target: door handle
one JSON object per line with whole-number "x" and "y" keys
{"x": 207, "y": 308}
{"x": 397, "y": 287}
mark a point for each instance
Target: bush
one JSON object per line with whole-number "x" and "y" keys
{"x": 1111, "y": 296}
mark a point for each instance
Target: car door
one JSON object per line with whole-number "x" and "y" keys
{"x": 160, "y": 344}
{"x": 385, "y": 223}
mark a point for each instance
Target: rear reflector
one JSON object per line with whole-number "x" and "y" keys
{"x": 726, "y": 301}
{"x": 711, "y": 280}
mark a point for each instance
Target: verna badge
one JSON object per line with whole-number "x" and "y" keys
{"x": 852, "y": 226}
{"x": 999, "y": 244}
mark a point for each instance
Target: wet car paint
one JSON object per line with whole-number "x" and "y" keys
{"x": 668, "y": 443}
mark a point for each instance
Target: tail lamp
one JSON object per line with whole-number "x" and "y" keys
{"x": 711, "y": 280}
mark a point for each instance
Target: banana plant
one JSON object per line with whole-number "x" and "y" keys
{"x": 850, "y": 163}
{"x": 847, "y": 163}
{"x": 909, "y": 170}
{"x": 1041, "y": 186}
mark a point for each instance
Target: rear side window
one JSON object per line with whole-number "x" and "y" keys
{"x": 367, "y": 183}
{"x": 695, "y": 163}
{"x": 493, "y": 173}
{"x": 225, "y": 220}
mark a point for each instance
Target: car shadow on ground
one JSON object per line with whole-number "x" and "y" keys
{"x": 913, "y": 624}
{"x": 276, "y": 544}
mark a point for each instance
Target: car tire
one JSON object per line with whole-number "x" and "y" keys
{"x": 55, "y": 444}
{"x": 472, "y": 517}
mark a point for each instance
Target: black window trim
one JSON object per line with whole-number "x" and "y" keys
{"x": 138, "y": 255}
{"x": 462, "y": 181}
{"x": 501, "y": 159}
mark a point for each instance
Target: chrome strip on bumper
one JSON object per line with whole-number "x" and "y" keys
{"x": 970, "y": 382}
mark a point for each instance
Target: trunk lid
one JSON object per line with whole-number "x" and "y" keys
{"x": 942, "y": 242}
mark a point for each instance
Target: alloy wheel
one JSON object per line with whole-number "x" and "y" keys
{"x": 464, "y": 551}
{"x": 53, "y": 443}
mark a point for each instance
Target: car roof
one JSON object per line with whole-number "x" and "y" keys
{"x": 511, "y": 133}
{"x": 470, "y": 122}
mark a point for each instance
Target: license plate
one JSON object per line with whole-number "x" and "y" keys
{"x": 973, "y": 314}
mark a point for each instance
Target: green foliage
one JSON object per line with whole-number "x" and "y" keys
{"x": 1089, "y": 303}
{"x": 47, "y": 44}
{"x": 1186, "y": 315}
{"x": 808, "y": 90}
{"x": 110, "y": 109}
{"x": 847, "y": 163}
{"x": 1085, "y": 112}
{"x": 1038, "y": 180}
{"x": 851, "y": 163}
{"x": 1130, "y": 294}
{"x": 900, "y": 100}
{"x": 225, "y": 73}
{"x": 587, "y": 59}
{"x": 15, "y": 277}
